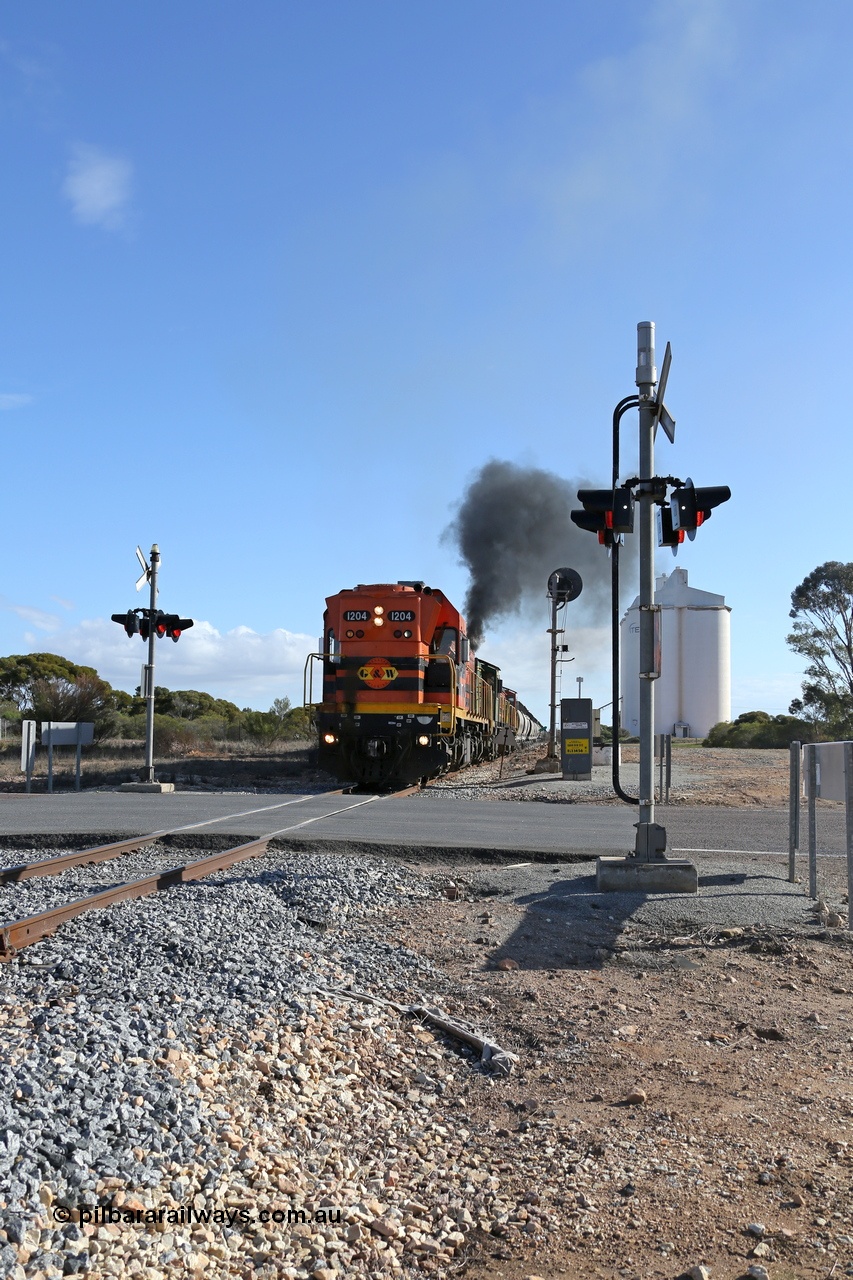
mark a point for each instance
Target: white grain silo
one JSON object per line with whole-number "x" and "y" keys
{"x": 694, "y": 689}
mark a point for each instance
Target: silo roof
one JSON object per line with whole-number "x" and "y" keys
{"x": 672, "y": 592}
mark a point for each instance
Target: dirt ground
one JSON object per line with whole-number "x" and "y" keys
{"x": 680, "y": 1106}
{"x": 701, "y": 775}
{"x": 729, "y": 777}
{"x": 686, "y": 1103}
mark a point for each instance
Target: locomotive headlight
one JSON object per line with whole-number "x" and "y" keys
{"x": 378, "y": 609}
{"x": 423, "y": 740}
{"x": 379, "y": 622}
{"x": 329, "y": 739}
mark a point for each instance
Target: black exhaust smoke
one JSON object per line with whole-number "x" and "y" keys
{"x": 512, "y": 530}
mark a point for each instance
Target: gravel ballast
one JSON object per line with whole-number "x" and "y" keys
{"x": 183, "y": 1050}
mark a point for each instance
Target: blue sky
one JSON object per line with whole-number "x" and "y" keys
{"x": 278, "y": 278}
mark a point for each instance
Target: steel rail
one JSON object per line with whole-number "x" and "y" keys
{"x": 54, "y": 866}
{"x": 105, "y": 852}
{"x": 22, "y": 933}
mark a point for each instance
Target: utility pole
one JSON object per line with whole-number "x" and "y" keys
{"x": 564, "y": 585}
{"x": 553, "y": 632}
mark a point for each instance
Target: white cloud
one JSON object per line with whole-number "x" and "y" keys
{"x": 98, "y": 186}
{"x": 9, "y": 400}
{"x": 37, "y": 618}
{"x": 242, "y": 665}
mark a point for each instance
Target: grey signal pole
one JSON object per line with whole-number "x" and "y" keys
{"x": 149, "y": 669}
{"x": 648, "y": 869}
{"x": 646, "y": 378}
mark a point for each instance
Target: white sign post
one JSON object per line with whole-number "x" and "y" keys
{"x": 55, "y": 733}
{"x": 28, "y": 750}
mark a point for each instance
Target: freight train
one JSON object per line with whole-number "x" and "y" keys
{"x": 404, "y": 698}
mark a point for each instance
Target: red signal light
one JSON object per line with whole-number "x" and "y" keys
{"x": 173, "y": 626}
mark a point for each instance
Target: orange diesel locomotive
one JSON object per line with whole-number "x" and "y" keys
{"x": 403, "y": 697}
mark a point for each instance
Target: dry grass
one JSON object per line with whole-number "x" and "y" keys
{"x": 113, "y": 762}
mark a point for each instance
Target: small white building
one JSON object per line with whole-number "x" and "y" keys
{"x": 694, "y": 691}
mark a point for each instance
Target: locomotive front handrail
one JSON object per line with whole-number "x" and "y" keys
{"x": 308, "y": 679}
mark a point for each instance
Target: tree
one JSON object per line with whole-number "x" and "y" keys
{"x": 189, "y": 704}
{"x": 279, "y": 714}
{"x": 822, "y": 609}
{"x": 87, "y": 699}
{"x": 298, "y": 723}
{"x": 19, "y": 673}
{"x": 124, "y": 702}
{"x": 282, "y": 721}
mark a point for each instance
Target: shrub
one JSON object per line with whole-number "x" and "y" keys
{"x": 759, "y": 729}
{"x": 174, "y": 737}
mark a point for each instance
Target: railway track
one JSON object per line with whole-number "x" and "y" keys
{"x": 20, "y": 933}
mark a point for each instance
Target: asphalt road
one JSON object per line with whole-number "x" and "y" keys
{"x": 533, "y": 856}
{"x": 404, "y": 823}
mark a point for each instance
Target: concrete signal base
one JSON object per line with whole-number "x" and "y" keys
{"x": 660, "y": 875}
{"x": 151, "y": 787}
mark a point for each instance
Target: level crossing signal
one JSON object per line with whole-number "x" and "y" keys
{"x": 692, "y": 507}
{"x": 128, "y": 620}
{"x": 607, "y": 512}
{"x": 140, "y": 622}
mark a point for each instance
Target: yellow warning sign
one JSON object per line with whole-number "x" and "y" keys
{"x": 576, "y": 746}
